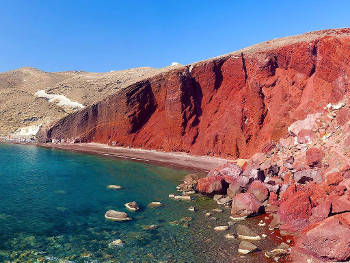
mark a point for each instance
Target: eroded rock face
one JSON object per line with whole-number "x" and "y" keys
{"x": 229, "y": 106}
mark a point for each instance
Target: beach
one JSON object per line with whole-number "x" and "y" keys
{"x": 202, "y": 163}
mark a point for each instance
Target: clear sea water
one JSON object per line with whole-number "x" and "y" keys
{"x": 52, "y": 206}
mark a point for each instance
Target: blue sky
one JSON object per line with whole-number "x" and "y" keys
{"x": 102, "y": 35}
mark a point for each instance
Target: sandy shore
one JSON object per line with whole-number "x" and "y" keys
{"x": 203, "y": 163}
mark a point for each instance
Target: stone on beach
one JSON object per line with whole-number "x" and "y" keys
{"x": 245, "y": 204}
{"x": 294, "y": 213}
{"x": 117, "y": 216}
{"x": 328, "y": 239}
{"x": 314, "y": 157}
{"x": 246, "y": 247}
{"x": 258, "y": 189}
{"x": 132, "y": 206}
{"x": 281, "y": 250}
{"x": 212, "y": 185}
{"x": 244, "y": 232}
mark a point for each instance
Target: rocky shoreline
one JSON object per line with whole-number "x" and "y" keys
{"x": 302, "y": 182}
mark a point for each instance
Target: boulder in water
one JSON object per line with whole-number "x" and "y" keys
{"x": 246, "y": 247}
{"x": 117, "y": 216}
{"x": 132, "y": 206}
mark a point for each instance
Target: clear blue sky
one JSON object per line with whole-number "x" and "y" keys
{"x": 58, "y": 35}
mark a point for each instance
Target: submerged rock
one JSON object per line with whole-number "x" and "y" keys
{"x": 246, "y": 247}
{"x": 221, "y": 228}
{"x": 132, "y": 206}
{"x": 155, "y": 204}
{"x": 282, "y": 250}
{"x": 117, "y": 216}
{"x": 244, "y": 232}
{"x": 117, "y": 242}
{"x": 183, "y": 197}
{"x": 229, "y": 236}
{"x": 150, "y": 227}
{"x": 192, "y": 209}
{"x": 114, "y": 187}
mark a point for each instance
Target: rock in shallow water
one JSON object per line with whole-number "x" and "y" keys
{"x": 117, "y": 242}
{"x": 221, "y": 228}
{"x": 246, "y": 247}
{"x": 155, "y": 204}
{"x": 245, "y": 204}
{"x": 114, "y": 187}
{"x": 117, "y": 216}
{"x": 132, "y": 206}
{"x": 245, "y": 232}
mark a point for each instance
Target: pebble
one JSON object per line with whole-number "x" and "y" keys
{"x": 221, "y": 228}
{"x": 155, "y": 204}
{"x": 246, "y": 247}
{"x": 132, "y": 206}
{"x": 207, "y": 214}
{"x": 192, "y": 209}
{"x": 229, "y": 236}
{"x": 150, "y": 227}
{"x": 244, "y": 232}
{"x": 218, "y": 210}
{"x": 114, "y": 187}
{"x": 183, "y": 197}
{"x": 262, "y": 223}
{"x": 117, "y": 242}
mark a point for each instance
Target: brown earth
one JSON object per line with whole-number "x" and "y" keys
{"x": 229, "y": 106}
{"x": 20, "y": 108}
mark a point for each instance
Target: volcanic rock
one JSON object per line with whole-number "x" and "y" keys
{"x": 182, "y": 108}
{"x": 245, "y": 204}
{"x": 294, "y": 213}
{"x": 212, "y": 185}
{"x": 258, "y": 189}
{"x": 328, "y": 240}
{"x": 314, "y": 157}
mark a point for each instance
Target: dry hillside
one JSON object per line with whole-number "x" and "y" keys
{"x": 21, "y": 107}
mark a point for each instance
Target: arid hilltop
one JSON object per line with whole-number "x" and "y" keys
{"x": 22, "y": 105}
{"x": 228, "y": 106}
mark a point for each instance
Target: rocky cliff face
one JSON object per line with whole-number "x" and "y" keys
{"x": 229, "y": 106}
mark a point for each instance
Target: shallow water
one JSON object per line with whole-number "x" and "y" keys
{"x": 53, "y": 204}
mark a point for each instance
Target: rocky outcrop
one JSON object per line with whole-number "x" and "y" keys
{"x": 229, "y": 106}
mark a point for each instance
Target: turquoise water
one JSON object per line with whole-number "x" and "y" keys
{"x": 53, "y": 204}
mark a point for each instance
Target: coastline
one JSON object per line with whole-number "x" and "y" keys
{"x": 184, "y": 160}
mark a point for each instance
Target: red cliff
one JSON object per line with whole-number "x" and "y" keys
{"x": 229, "y": 106}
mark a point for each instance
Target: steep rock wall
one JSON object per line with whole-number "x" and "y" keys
{"x": 229, "y": 106}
